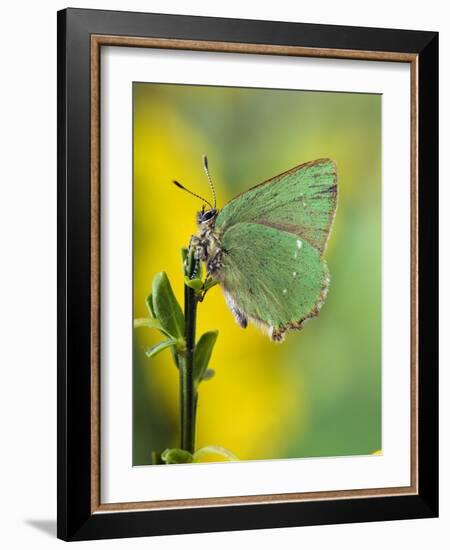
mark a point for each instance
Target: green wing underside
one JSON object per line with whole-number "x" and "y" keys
{"x": 273, "y": 237}
{"x": 301, "y": 201}
{"x": 273, "y": 276}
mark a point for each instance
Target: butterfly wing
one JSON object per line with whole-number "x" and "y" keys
{"x": 272, "y": 277}
{"x": 301, "y": 201}
{"x": 273, "y": 237}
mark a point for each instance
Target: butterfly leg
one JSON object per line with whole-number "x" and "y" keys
{"x": 204, "y": 289}
{"x": 207, "y": 284}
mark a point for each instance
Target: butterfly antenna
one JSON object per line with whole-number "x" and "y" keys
{"x": 178, "y": 184}
{"x": 205, "y": 166}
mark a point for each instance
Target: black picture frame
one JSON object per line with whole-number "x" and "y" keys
{"x": 76, "y": 520}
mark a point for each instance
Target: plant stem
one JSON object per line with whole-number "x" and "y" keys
{"x": 188, "y": 397}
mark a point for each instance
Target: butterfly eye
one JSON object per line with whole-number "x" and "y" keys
{"x": 208, "y": 215}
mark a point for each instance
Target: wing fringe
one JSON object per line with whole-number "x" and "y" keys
{"x": 278, "y": 333}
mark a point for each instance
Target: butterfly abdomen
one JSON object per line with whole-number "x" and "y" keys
{"x": 238, "y": 314}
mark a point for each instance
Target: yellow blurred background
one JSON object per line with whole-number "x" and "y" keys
{"x": 318, "y": 393}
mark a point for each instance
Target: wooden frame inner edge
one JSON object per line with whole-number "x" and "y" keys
{"x": 110, "y": 40}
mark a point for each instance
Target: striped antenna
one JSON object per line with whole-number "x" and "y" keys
{"x": 178, "y": 184}
{"x": 205, "y": 166}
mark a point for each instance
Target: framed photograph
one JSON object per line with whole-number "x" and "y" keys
{"x": 247, "y": 255}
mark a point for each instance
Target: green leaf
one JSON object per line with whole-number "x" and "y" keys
{"x": 192, "y": 267}
{"x": 156, "y": 458}
{"x": 184, "y": 253}
{"x": 196, "y": 284}
{"x": 160, "y": 346}
{"x": 176, "y": 456}
{"x": 147, "y": 322}
{"x": 199, "y": 270}
{"x": 202, "y": 355}
{"x": 166, "y": 307}
{"x": 175, "y": 356}
{"x": 210, "y": 373}
{"x": 209, "y": 284}
{"x": 214, "y": 453}
{"x": 149, "y": 303}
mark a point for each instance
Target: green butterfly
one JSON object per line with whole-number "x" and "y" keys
{"x": 265, "y": 247}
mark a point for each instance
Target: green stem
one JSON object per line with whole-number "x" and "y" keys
{"x": 188, "y": 397}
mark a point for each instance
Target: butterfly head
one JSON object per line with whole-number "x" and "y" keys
{"x": 205, "y": 217}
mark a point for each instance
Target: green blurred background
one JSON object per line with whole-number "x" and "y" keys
{"x": 318, "y": 393}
